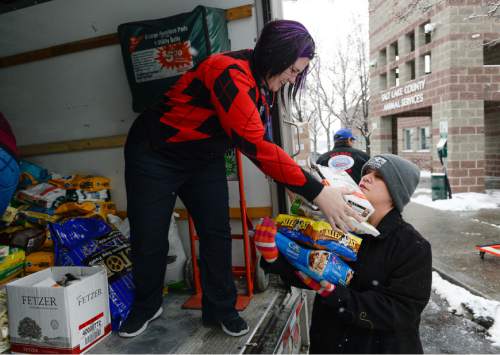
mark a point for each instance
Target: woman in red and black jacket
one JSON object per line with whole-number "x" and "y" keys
{"x": 176, "y": 148}
{"x": 9, "y": 168}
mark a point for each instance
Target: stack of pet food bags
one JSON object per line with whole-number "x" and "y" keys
{"x": 63, "y": 220}
{"x": 310, "y": 243}
{"x": 41, "y": 199}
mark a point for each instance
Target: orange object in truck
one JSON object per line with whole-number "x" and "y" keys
{"x": 104, "y": 208}
{"x": 78, "y": 208}
{"x": 38, "y": 260}
{"x": 87, "y": 183}
{"x": 48, "y": 243}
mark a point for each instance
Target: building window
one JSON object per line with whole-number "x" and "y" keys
{"x": 382, "y": 57}
{"x": 394, "y": 77}
{"x": 407, "y": 139}
{"x": 424, "y": 138}
{"x": 426, "y": 32}
{"x": 411, "y": 69}
{"x": 394, "y": 51}
{"x": 383, "y": 81}
{"x": 427, "y": 63}
{"x": 491, "y": 54}
{"x": 410, "y": 38}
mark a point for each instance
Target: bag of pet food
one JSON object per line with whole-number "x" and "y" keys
{"x": 81, "y": 196}
{"x": 43, "y": 195}
{"x": 38, "y": 261}
{"x": 91, "y": 241}
{"x": 302, "y": 207}
{"x": 337, "y": 177}
{"x": 11, "y": 265}
{"x": 319, "y": 235}
{"x": 87, "y": 183}
{"x": 317, "y": 264}
{"x": 29, "y": 239}
{"x": 31, "y": 174}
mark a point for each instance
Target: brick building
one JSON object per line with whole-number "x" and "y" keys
{"x": 435, "y": 72}
{"x": 302, "y": 144}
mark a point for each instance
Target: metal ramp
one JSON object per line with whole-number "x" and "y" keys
{"x": 180, "y": 330}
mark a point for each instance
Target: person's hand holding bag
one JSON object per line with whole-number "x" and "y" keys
{"x": 331, "y": 202}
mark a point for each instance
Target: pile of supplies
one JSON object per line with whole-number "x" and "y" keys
{"x": 310, "y": 243}
{"x": 55, "y": 220}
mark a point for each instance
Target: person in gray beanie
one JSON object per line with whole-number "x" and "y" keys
{"x": 379, "y": 312}
{"x": 400, "y": 175}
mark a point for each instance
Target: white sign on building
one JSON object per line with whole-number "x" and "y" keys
{"x": 402, "y": 96}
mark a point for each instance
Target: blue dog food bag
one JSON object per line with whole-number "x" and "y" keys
{"x": 91, "y": 241}
{"x": 317, "y": 264}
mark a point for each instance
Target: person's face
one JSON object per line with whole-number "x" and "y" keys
{"x": 375, "y": 189}
{"x": 276, "y": 82}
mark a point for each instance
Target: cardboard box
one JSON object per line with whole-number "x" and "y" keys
{"x": 47, "y": 318}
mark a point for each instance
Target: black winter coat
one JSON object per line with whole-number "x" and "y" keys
{"x": 359, "y": 157}
{"x": 379, "y": 312}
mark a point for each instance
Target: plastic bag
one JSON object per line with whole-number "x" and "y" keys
{"x": 174, "y": 276}
{"x": 156, "y": 52}
{"x": 122, "y": 225}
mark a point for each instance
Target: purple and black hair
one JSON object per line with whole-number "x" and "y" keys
{"x": 280, "y": 44}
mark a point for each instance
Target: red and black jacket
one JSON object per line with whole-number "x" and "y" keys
{"x": 217, "y": 103}
{"x": 7, "y": 138}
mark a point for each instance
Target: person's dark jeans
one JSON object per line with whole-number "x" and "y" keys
{"x": 153, "y": 182}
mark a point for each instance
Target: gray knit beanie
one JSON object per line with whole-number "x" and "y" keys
{"x": 400, "y": 175}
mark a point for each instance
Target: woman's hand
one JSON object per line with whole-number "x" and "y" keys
{"x": 331, "y": 202}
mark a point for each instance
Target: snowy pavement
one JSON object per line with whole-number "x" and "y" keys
{"x": 454, "y": 227}
{"x": 483, "y": 311}
{"x": 443, "y": 332}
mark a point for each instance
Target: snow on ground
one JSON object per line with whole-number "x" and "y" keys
{"x": 483, "y": 222}
{"x": 425, "y": 174}
{"x": 467, "y": 201}
{"x": 457, "y": 297}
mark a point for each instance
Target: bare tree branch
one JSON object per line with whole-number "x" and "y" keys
{"x": 492, "y": 11}
{"x": 306, "y": 109}
{"x": 401, "y": 12}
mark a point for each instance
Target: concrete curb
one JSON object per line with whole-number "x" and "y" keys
{"x": 453, "y": 280}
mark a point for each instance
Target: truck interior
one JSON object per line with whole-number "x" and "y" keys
{"x": 64, "y": 89}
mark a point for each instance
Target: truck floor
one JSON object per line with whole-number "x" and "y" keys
{"x": 181, "y": 331}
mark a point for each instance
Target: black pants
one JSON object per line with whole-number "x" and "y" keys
{"x": 153, "y": 182}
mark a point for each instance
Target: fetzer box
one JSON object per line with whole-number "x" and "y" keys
{"x": 62, "y": 309}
